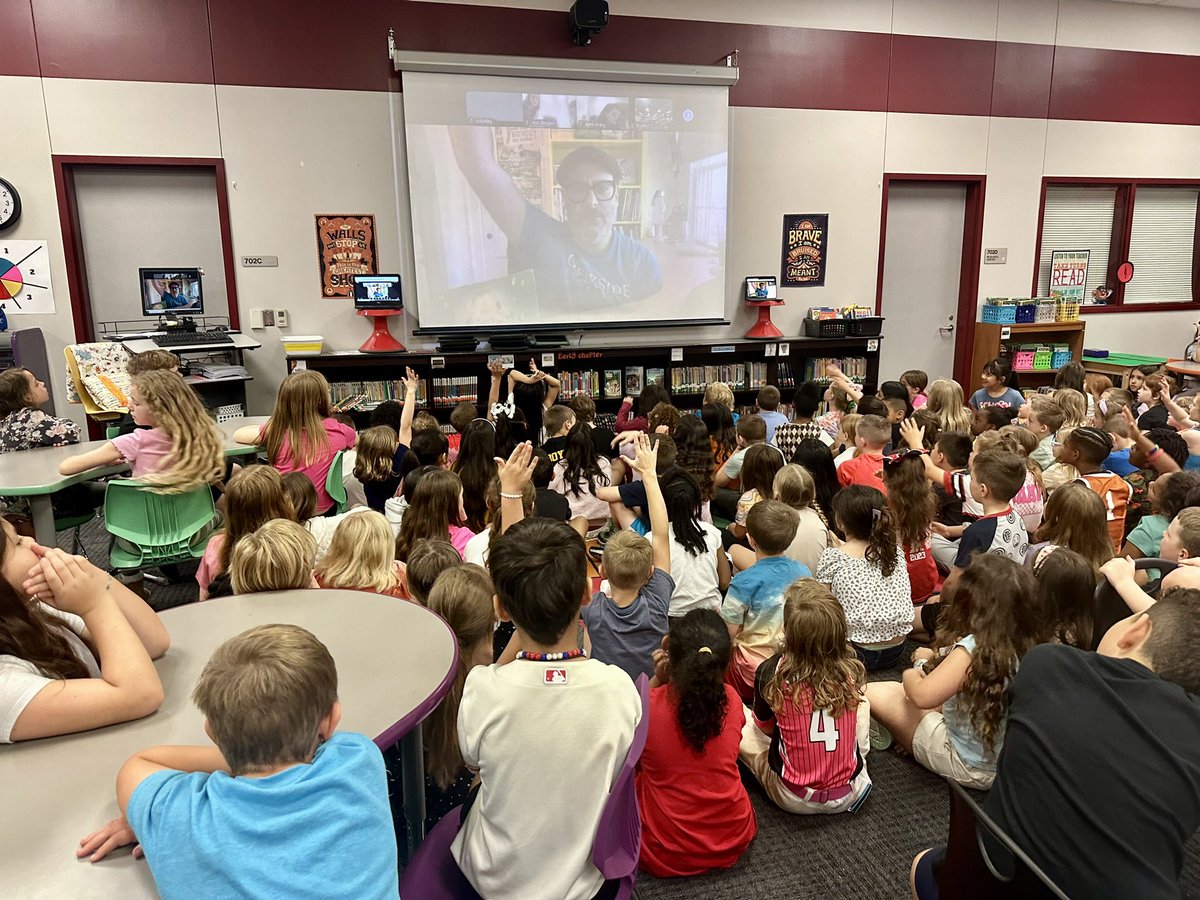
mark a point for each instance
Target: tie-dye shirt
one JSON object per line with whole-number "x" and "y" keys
{"x": 755, "y": 601}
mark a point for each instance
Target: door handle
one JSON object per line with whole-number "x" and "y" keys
{"x": 946, "y": 329}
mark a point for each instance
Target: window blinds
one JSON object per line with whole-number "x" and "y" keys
{"x": 1077, "y": 217}
{"x": 1161, "y": 244}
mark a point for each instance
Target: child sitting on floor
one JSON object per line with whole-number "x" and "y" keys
{"x": 427, "y": 560}
{"x": 361, "y": 557}
{"x": 872, "y": 435}
{"x": 288, "y": 770}
{"x": 626, "y": 625}
{"x": 1086, "y": 449}
{"x": 255, "y": 495}
{"x": 808, "y": 734}
{"x": 303, "y": 497}
{"x": 539, "y": 570}
{"x": 699, "y": 566}
{"x": 436, "y": 511}
{"x": 277, "y": 557}
{"x": 753, "y": 607}
{"x": 696, "y": 815}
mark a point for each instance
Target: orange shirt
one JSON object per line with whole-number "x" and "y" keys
{"x": 1114, "y": 491}
{"x": 866, "y": 469}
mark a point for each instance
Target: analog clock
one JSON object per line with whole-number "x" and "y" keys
{"x": 25, "y": 278}
{"x": 10, "y": 205}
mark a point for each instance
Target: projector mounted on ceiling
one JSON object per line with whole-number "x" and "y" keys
{"x": 586, "y": 18}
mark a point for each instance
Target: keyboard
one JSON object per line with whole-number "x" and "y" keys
{"x": 185, "y": 338}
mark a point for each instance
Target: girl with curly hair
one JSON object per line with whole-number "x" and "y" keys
{"x": 950, "y": 708}
{"x": 810, "y": 728}
{"x": 912, "y": 505}
{"x": 696, "y": 815}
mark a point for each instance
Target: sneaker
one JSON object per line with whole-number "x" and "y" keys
{"x": 881, "y": 738}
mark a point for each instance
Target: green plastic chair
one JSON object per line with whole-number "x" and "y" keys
{"x": 73, "y": 524}
{"x": 151, "y": 529}
{"x": 335, "y": 487}
{"x": 111, "y": 432}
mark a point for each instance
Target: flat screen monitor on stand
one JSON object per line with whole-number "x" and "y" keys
{"x": 169, "y": 292}
{"x": 377, "y": 297}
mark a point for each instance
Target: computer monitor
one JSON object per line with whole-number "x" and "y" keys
{"x": 377, "y": 292}
{"x": 171, "y": 290}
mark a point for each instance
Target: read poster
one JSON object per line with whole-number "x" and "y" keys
{"x": 1068, "y": 274}
{"x": 345, "y": 248}
{"x": 805, "y": 240}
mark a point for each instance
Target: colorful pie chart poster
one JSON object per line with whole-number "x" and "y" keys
{"x": 25, "y": 278}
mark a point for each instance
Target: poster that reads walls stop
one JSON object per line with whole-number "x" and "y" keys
{"x": 345, "y": 248}
{"x": 805, "y": 243}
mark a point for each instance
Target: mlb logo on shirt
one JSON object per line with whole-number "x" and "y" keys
{"x": 555, "y": 676}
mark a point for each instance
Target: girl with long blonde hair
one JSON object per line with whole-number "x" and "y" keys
{"x": 808, "y": 737}
{"x": 361, "y": 557}
{"x": 463, "y": 597}
{"x": 947, "y": 403}
{"x": 255, "y": 495}
{"x": 302, "y": 435}
{"x": 177, "y": 449}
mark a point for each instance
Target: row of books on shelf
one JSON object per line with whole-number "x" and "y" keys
{"x": 854, "y": 367}
{"x": 739, "y": 376}
{"x": 349, "y": 395}
{"x": 452, "y": 390}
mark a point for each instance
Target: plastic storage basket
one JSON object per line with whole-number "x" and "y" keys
{"x": 865, "y": 326}
{"x": 1062, "y": 356}
{"x": 999, "y": 313}
{"x": 1047, "y": 309}
{"x": 825, "y": 328}
{"x": 1066, "y": 311}
{"x": 1042, "y": 359}
{"x": 1022, "y": 360}
{"x": 1026, "y": 311}
{"x": 302, "y": 344}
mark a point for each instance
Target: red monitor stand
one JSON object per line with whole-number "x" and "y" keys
{"x": 764, "y": 328}
{"x": 381, "y": 340}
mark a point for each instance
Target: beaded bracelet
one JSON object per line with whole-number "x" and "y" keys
{"x": 511, "y": 496}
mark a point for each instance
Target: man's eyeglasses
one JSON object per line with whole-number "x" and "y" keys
{"x": 578, "y": 191}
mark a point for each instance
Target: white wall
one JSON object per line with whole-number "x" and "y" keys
{"x": 293, "y": 153}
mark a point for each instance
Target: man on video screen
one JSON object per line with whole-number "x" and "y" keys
{"x": 173, "y": 299}
{"x": 586, "y": 260}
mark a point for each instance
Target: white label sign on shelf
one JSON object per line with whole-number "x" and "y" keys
{"x": 676, "y": 354}
{"x": 872, "y": 346}
{"x": 723, "y": 348}
{"x": 785, "y": 349}
{"x": 1005, "y": 333}
{"x": 768, "y": 350}
{"x": 547, "y": 360}
{"x": 437, "y": 362}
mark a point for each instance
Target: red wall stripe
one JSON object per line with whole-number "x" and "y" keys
{"x": 309, "y": 44}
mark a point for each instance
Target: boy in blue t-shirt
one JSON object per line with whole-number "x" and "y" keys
{"x": 627, "y": 625}
{"x": 281, "y": 806}
{"x": 753, "y": 607}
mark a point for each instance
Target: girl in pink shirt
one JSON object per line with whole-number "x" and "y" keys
{"x": 303, "y": 418}
{"x": 436, "y": 511}
{"x": 177, "y": 446}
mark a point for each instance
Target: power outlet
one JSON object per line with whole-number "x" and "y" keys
{"x": 281, "y": 318}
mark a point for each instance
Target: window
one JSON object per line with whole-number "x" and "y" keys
{"x": 708, "y": 179}
{"x": 1150, "y": 224}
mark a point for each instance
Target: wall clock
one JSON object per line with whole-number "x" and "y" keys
{"x": 25, "y": 278}
{"x": 10, "y": 205}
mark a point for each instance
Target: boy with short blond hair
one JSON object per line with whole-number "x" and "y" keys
{"x": 753, "y": 607}
{"x": 627, "y": 624}
{"x": 1045, "y": 418}
{"x": 282, "y": 805}
{"x": 871, "y": 435}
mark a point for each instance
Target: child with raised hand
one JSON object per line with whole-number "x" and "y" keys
{"x": 699, "y": 567}
{"x": 539, "y": 571}
{"x": 277, "y": 557}
{"x": 379, "y": 460}
{"x": 436, "y": 511}
{"x": 463, "y": 597}
{"x": 75, "y": 644}
{"x": 950, "y": 708}
{"x": 476, "y": 550}
{"x": 912, "y": 505}
{"x": 255, "y": 495}
{"x": 1075, "y": 519}
{"x": 794, "y": 486}
{"x": 696, "y": 814}
{"x": 753, "y": 606}
{"x": 266, "y": 773}
{"x": 361, "y": 557}
{"x": 999, "y": 386}
{"x": 626, "y": 626}
{"x": 302, "y": 435}
{"x": 532, "y": 395}
{"x": 180, "y": 448}
{"x": 868, "y": 577}
{"x": 809, "y": 732}
{"x": 476, "y": 470}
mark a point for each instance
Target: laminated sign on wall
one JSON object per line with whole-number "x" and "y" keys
{"x": 345, "y": 248}
{"x": 805, "y": 239}
{"x": 1068, "y": 274}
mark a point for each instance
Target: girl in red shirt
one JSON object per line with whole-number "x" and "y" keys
{"x": 912, "y": 505}
{"x": 696, "y": 815}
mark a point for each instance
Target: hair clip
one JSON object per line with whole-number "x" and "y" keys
{"x": 875, "y": 514}
{"x": 507, "y": 408}
{"x": 704, "y": 650}
{"x": 894, "y": 459}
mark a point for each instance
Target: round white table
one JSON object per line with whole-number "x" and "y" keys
{"x": 34, "y": 473}
{"x": 395, "y": 660}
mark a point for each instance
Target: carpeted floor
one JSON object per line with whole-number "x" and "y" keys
{"x": 859, "y": 856}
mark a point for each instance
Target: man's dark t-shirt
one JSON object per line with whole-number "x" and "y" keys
{"x": 569, "y": 278}
{"x": 1099, "y": 778}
